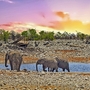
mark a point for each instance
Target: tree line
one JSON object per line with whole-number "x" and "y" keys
{"x": 31, "y": 34}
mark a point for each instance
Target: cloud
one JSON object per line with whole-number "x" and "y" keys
{"x": 8, "y": 1}
{"x": 63, "y": 15}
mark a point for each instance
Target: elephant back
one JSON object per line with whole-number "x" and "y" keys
{"x": 51, "y": 63}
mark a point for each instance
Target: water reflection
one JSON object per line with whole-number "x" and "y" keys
{"x": 74, "y": 67}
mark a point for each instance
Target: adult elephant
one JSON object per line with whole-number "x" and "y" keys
{"x": 50, "y": 64}
{"x": 63, "y": 64}
{"x": 15, "y": 60}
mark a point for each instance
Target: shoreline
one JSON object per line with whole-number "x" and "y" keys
{"x": 29, "y": 59}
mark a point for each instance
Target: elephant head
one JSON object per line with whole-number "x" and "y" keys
{"x": 15, "y": 60}
{"x": 63, "y": 64}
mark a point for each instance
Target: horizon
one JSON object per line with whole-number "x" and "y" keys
{"x": 60, "y": 15}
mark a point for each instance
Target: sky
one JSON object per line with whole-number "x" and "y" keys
{"x": 69, "y": 15}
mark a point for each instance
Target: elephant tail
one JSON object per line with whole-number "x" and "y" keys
{"x": 68, "y": 69}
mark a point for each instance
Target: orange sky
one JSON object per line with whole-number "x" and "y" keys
{"x": 70, "y": 25}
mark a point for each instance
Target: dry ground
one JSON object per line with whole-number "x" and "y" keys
{"x": 64, "y": 54}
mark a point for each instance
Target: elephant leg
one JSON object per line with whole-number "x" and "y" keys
{"x": 15, "y": 66}
{"x": 18, "y": 67}
{"x": 44, "y": 68}
{"x": 64, "y": 69}
{"x": 49, "y": 69}
{"x": 56, "y": 70}
{"x": 11, "y": 65}
{"x": 68, "y": 70}
{"x": 53, "y": 69}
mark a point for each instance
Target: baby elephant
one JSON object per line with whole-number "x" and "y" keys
{"x": 63, "y": 64}
{"x": 50, "y": 64}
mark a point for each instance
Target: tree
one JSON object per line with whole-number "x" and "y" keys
{"x": 5, "y": 35}
{"x": 1, "y": 32}
{"x": 46, "y": 35}
{"x": 81, "y": 36}
{"x": 32, "y": 34}
{"x": 42, "y": 35}
{"x": 49, "y": 36}
{"x": 25, "y": 35}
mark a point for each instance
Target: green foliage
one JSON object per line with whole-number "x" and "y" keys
{"x": 5, "y": 35}
{"x": 46, "y": 35}
{"x": 32, "y": 34}
{"x": 42, "y": 35}
{"x": 1, "y": 31}
{"x": 25, "y": 35}
{"x": 81, "y": 36}
{"x": 49, "y": 36}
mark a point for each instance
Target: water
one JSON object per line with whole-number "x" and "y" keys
{"x": 74, "y": 67}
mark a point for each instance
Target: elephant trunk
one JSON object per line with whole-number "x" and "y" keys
{"x": 36, "y": 66}
{"x": 6, "y": 60}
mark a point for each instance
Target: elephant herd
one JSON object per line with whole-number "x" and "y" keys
{"x": 15, "y": 60}
{"x": 53, "y": 64}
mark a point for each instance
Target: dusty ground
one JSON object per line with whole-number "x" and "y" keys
{"x": 12, "y": 80}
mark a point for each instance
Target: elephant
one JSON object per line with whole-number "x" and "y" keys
{"x": 63, "y": 64}
{"x": 15, "y": 60}
{"x": 50, "y": 64}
